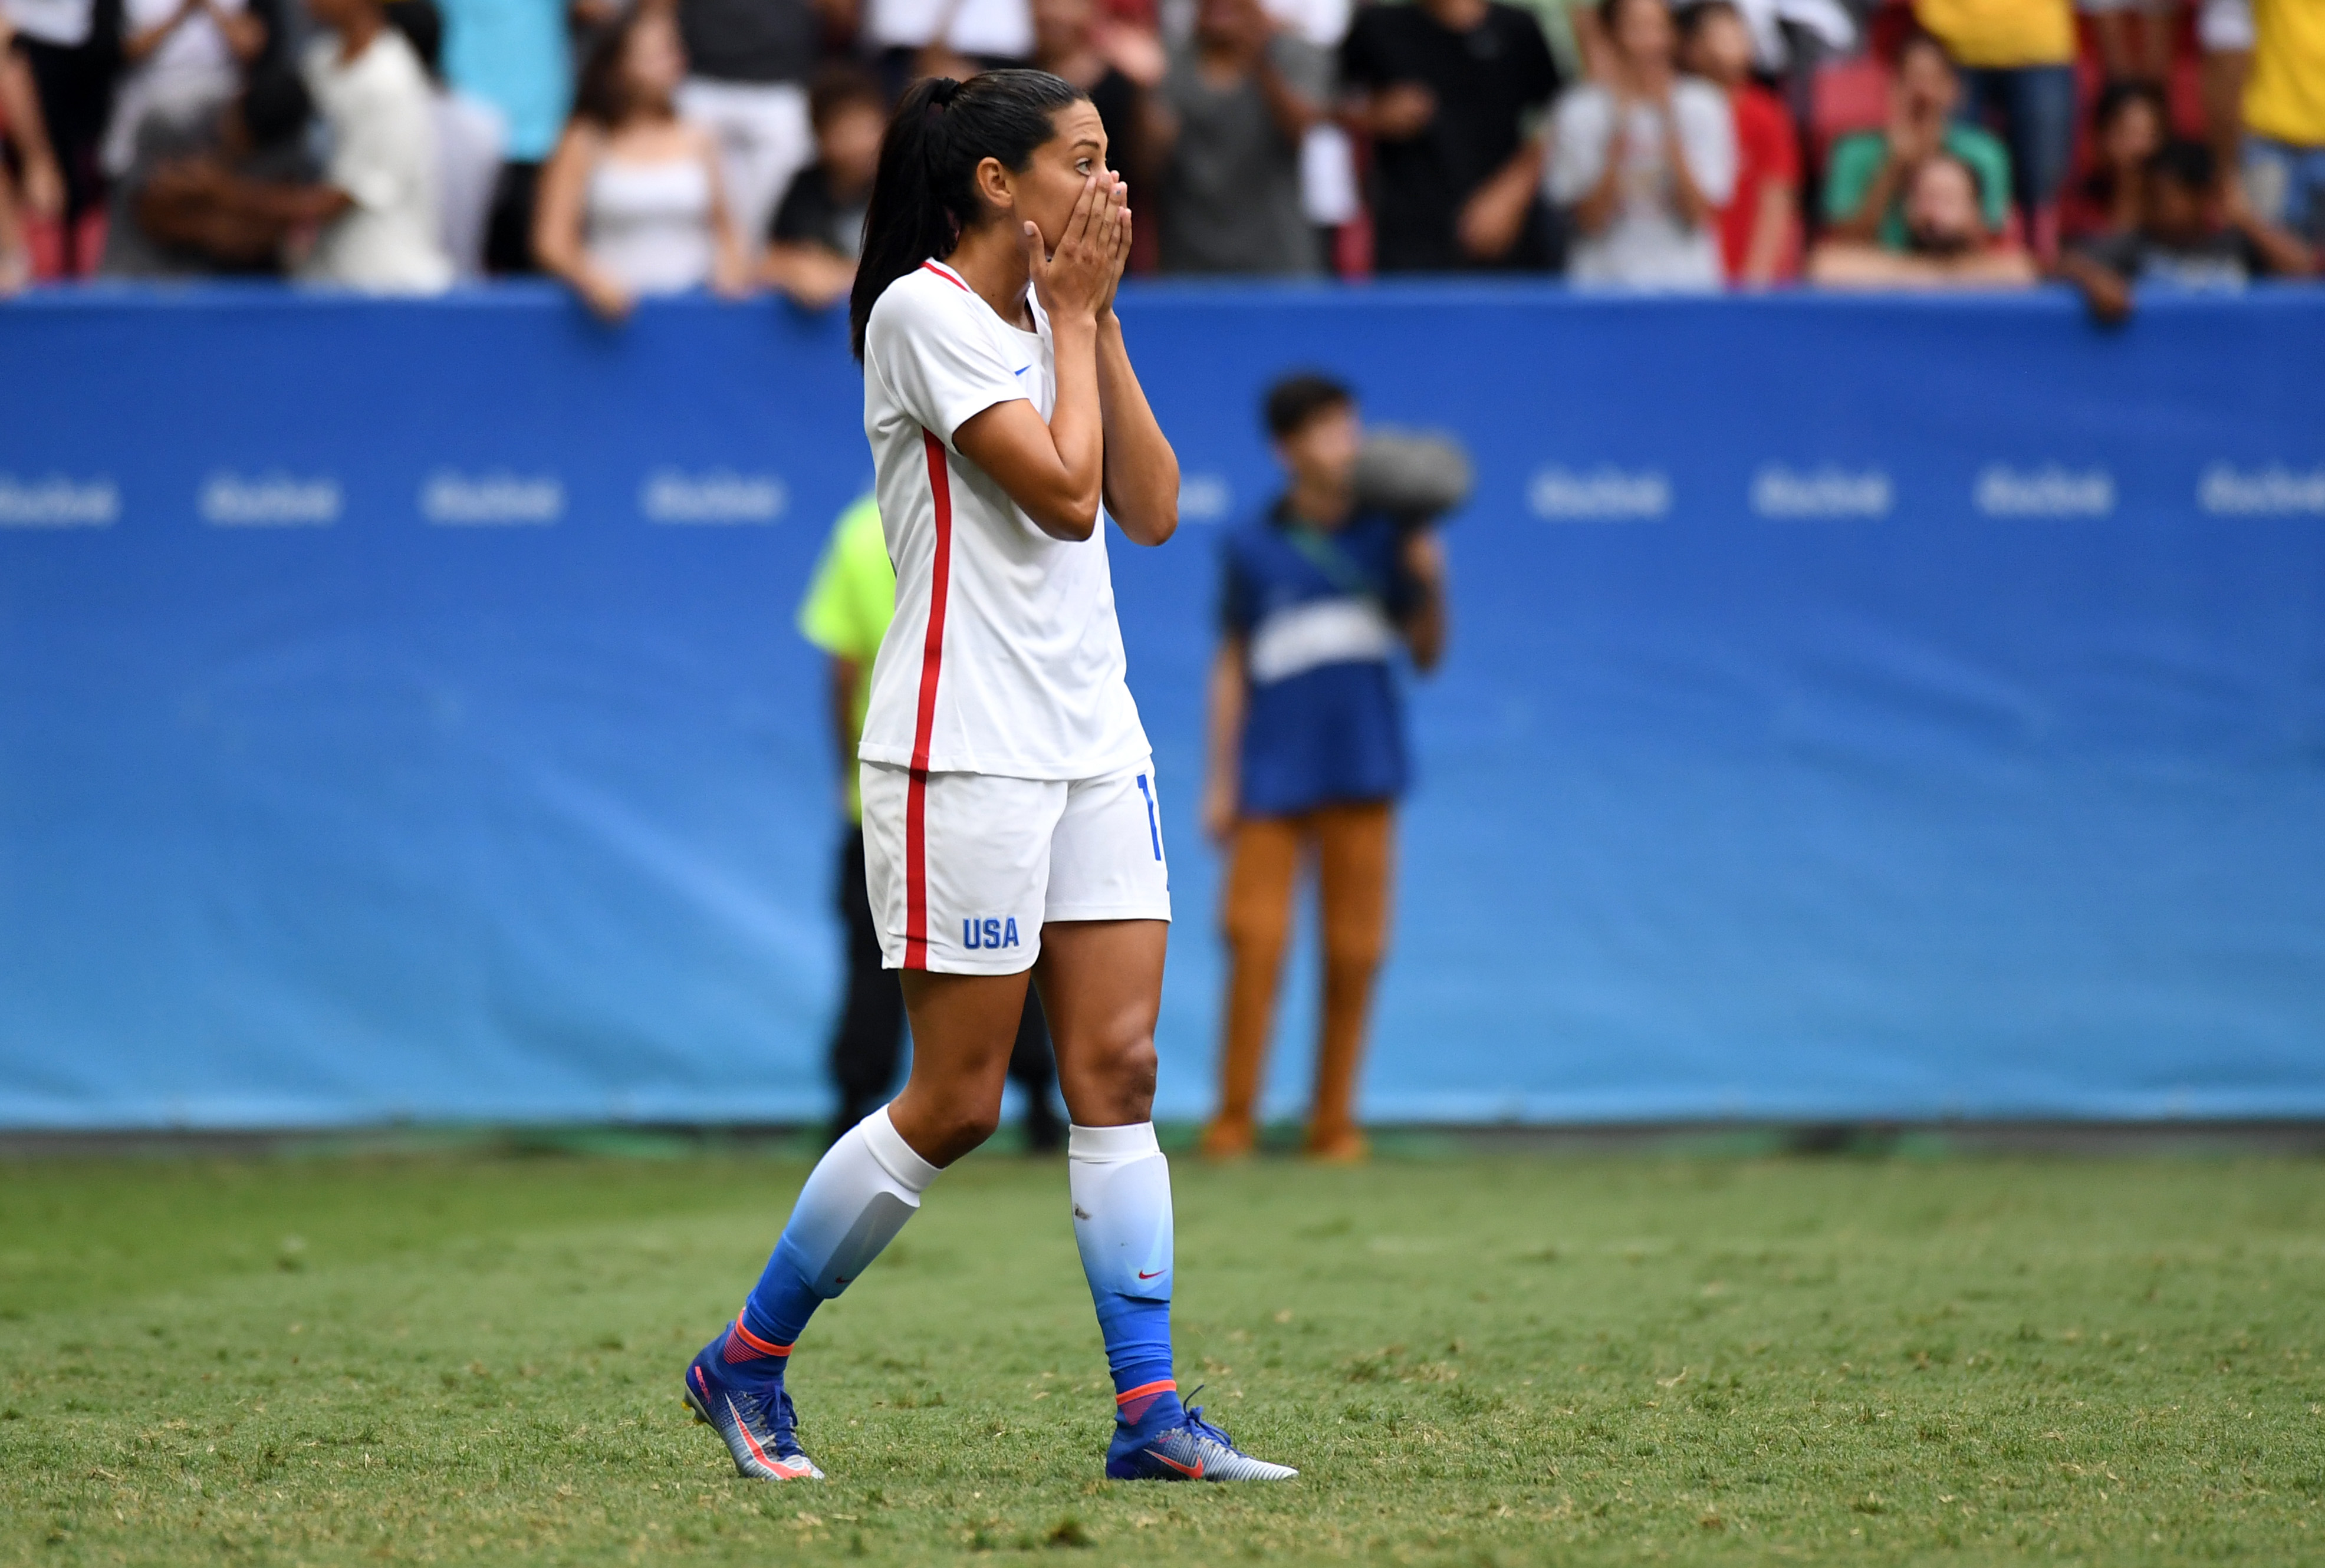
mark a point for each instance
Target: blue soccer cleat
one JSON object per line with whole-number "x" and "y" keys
{"x": 1195, "y": 1451}
{"x": 753, "y": 1416}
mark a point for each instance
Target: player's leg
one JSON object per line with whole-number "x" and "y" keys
{"x": 1355, "y": 848}
{"x": 856, "y": 1200}
{"x": 1255, "y": 916}
{"x": 964, "y": 1029}
{"x": 1101, "y": 974}
{"x": 1101, "y": 985}
{"x": 974, "y": 843}
{"x": 867, "y": 1183}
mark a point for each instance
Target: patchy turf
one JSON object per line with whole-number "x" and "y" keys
{"x": 464, "y": 1359}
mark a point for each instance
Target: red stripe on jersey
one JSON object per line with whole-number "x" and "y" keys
{"x": 947, "y": 275}
{"x": 924, "y": 723}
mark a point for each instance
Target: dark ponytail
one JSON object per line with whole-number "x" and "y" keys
{"x": 925, "y": 195}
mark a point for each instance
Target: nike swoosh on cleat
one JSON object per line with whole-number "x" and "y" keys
{"x": 1192, "y": 1472}
{"x": 756, "y": 1451}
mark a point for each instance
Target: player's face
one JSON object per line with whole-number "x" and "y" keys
{"x": 1046, "y": 189}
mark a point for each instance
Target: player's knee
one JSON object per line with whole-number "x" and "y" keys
{"x": 973, "y": 1124}
{"x": 961, "y": 1129}
{"x": 1134, "y": 1067}
{"x": 1132, "y": 1072}
{"x": 1117, "y": 1068}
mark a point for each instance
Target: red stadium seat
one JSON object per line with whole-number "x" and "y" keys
{"x": 1847, "y": 95}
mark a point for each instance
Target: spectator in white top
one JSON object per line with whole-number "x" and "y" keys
{"x": 630, "y": 202}
{"x": 183, "y": 61}
{"x": 372, "y": 96}
{"x": 471, "y": 136}
{"x": 1644, "y": 160}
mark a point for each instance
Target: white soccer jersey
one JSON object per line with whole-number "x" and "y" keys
{"x": 1004, "y": 656}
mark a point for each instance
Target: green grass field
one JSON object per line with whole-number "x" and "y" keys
{"x": 468, "y": 1359}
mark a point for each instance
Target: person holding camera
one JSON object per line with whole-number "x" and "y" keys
{"x": 1307, "y": 743}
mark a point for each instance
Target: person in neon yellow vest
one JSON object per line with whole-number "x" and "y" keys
{"x": 849, "y": 601}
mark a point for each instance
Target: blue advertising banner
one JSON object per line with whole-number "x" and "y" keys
{"x": 1856, "y": 708}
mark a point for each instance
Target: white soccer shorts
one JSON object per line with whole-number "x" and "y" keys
{"x": 964, "y": 869}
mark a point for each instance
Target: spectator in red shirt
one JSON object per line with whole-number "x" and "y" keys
{"x": 1759, "y": 228}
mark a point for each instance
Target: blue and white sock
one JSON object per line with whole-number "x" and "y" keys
{"x": 1121, "y": 1189}
{"x": 856, "y": 1200}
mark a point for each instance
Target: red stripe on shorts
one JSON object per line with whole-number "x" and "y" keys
{"x": 916, "y": 795}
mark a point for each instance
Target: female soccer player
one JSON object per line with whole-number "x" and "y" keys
{"x": 1010, "y": 820}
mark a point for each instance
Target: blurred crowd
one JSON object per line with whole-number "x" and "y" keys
{"x": 640, "y": 147}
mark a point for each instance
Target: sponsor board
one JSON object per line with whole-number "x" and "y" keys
{"x": 1823, "y": 492}
{"x": 497, "y": 499}
{"x": 56, "y": 500}
{"x": 1205, "y": 498}
{"x": 2049, "y": 491}
{"x": 273, "y": 500}
{"x": 1602, "y": 494}
{"x": 716, "y": 497}
{"x": 2274, "y": 490}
